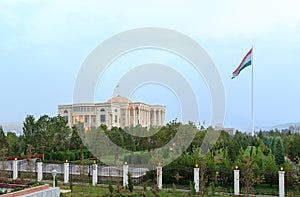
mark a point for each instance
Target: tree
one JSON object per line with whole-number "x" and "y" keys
{"x": 278, "y": 151}
{"x": 130, "y": 182}
{"x": 47, "y": 134}
{"x": 76, "y": 141}
{"x": 248, "y": 176}
{"x": 13, "y": 142}
{"x": 44, "y": 135}
{"x": 29, "y": 130}
{"x": 292, "y": 147}
{"x": 61, "y": 133}
{"x": 3, "y": 159}
{"x": 270, "y": 169}
{"x": 3, "y": 140}
{"x": 233, "y": 150}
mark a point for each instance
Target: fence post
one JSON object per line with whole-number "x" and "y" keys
{"x": 125, "y": 174}
{"x": 95, "y": 174}
{"x": 15, "y": 169}
{"x": 196, "y": 178}
{"x": 66, "y": 172}
{"x": 281, "y": 182}
{"x": 159, "y": 176}
{"x": 236, "y": 181}
{"x": 39, "y": 171}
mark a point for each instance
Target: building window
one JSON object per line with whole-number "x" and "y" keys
{"x": 66, "y": 111}
{"x": 102, "y": 109}
{"x": 116, "y": 118}
{"x": 86, "y": 119}
{"x": 116, "y": 110}
{"x": 102, "y": 118}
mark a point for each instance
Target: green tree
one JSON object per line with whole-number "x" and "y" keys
{"x": 270, "y": 170}
{"x": 13, "y": 142}
{"x": 76, "y": 141}
{"x": 61, "y": 133}
{"x": 3, "y": 140}
{"x": 130, "y": 182}
{"x": 278, "y": 151}
{"x": 29, "y": 130}
{"x": 292, "y": 146}
{"x": 248, "y": 177}
{"x": 47, "y": 134}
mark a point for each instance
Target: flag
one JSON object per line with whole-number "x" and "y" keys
{"x": 247, "y": 61}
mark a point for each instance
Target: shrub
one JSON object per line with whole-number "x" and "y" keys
{"x": 110, "y": 187}
{"x": 72, "y": 156}
{"x": 130, "y": 182}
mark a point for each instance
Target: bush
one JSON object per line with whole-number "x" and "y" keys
{"x": 60, "y": 156}
{"x": 110, "y": 187}
{"x": 47, "y": 156}
{"x": 54, "y": 156}
{"x": 62, "y": 195}
{"x": 77, "y": 155}
{"x": 67, "y": 156}
{"x": 130, "y": 182}
{"x": 72, "y": 156}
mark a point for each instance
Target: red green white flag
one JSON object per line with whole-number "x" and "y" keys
{"x": 247, "y": 61}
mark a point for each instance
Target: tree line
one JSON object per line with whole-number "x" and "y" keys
{"x": 52, "y": 134}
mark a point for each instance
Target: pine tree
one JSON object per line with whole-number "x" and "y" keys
{"x": 3, "y": 140}
{"x": 130, "y": 182}
{"x": 278, "y": 151}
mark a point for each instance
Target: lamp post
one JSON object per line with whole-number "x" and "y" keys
{"x": 53, "y": 172}
{"x": 236, "y": 181}
{"x": 196, "y": 177}
{"x": 281, "y": 182}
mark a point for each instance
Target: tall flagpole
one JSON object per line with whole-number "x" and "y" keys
{"x": 252, "y": 107}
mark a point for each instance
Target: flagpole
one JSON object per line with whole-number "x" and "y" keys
{"x": 252, "y": 104}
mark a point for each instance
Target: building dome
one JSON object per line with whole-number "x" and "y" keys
{"x": 119, "y": 99}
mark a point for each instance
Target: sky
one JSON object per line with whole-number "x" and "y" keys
{"x": 44, "y": 44}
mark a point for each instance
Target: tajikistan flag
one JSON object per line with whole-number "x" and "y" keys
{"x": 247, "y": 61}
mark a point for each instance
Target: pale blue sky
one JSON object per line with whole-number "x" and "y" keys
{"x": 43, "y": 44}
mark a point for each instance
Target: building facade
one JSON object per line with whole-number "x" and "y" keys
{"x": 116, "y": 112}
{"x": 230, "y": 131}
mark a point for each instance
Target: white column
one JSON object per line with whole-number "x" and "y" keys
{"x": 66, "y": 172}
{"x": 196, "y": 178}
{"x": 126, "y": 117}
{"x": 133, "y": 111}
{"x": 90, "y": 121}
{"x": 139, "y": 116}
{"x": 149, "y": 118}
{"x": 95, "y": 174}
{"x": 69, "y": 118}
{"x": 39, "y": 171}
{"x": 164, "y": 117}
{"x": 236, "y": 182}
{"x": 159, "y": 176}
{"x": 15, "y": 169}
{"x": 154, "y": 118}
{"x": 125, "y": 174}
{"x": 281, "y": 183}
{"x": 159, "y": 118}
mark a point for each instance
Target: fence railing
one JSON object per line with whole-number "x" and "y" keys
{"x": 215, "y": 179}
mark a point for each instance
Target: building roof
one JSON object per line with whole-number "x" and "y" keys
{"x": 118, "y": 99}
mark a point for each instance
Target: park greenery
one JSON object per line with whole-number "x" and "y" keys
{"x": 258, "y": 157}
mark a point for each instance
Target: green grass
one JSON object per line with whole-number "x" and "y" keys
{"x": 100, "y": 191}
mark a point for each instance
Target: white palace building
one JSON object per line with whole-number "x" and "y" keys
{"x": 116, "y": 112}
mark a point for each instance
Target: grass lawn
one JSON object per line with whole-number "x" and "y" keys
{"x": 100, "y": 191}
